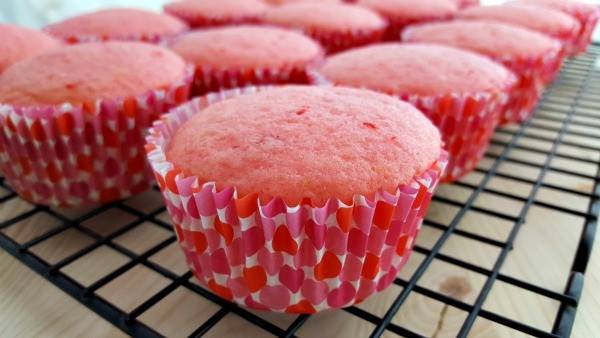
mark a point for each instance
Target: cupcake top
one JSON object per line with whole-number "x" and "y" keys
{"x": 567, "y": 6}
{"x": 118, "y": 24}
{"x": 19, "y": 43}
{"x": 324, "y": 16}
{"x": 282, "y": 2}
{"x": 246, "y": 47}
{"x": 493, "y": 39}
{"x": 410, "y": 9}
{"x": 218, "y": 8}
{"x": 86, "y": 72}
{"x": 416, "y": 69}
{"x": 307, "y": 142}
{"x": 539, "y": 19}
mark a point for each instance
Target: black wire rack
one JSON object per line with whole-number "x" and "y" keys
{"x": 522, "y": 176}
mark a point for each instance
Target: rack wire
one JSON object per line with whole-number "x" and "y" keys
{"x": 546, "y": 167}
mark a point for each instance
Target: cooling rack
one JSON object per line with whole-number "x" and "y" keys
{"x": 503, "y": 251}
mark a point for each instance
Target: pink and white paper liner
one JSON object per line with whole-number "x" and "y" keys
{"x": 75, "y": 155}
{"x": 270, "y": 256}
{"x": 209, "y": 79}
{"x": 197, "y": 20}
{"x": 158, "y": 39}
{"x": 337, "y": 41}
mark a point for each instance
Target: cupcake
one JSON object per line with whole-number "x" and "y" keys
{"x": 205, "y": 13}
{"x": 547, "y": 21}
{"x": 535, "y": 58}
{"x": 586, "y": 14}
{"x": 402, "y": 13}
{"x": 466, "y": 3}
{"x": 120, "y": 24}
{"x": 73, "y": 120}
{"x": 19, "y": 43}
{"x": 461, "y": 92}
{"x": 336, "y": 26}
{"x": 296, "y": 199}
{"x": 238, "y": 56}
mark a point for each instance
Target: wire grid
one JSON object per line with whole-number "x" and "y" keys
{"x": 567, "y": 103}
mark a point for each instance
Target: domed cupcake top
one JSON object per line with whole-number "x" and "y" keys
{"x": 118, "y": 23}
{"x": 317, "y": 142}
{"x": 246, "y": 47}
{"x": 325, "y": 16}
{"x": 19, "y": 43}
{"x": 545, "y": 20}
{"x": 411, "y": 9}
{"x": 86, "y": 72}
{"x": 416, "y": 69}
{"x": 493, "y": 39}
{"x": 225, "y": 8}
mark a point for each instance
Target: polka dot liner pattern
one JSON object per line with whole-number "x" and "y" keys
{"x": 196, "y": 21}
{"x": 158, "y": 39}
{"x": 298, "y": 259}
{"x": 86, "y": 154}
{"x": 208, "y": 79}
{"x": 334, "y": 42}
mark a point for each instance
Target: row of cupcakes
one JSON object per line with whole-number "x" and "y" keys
{"x": 296, "y": 199}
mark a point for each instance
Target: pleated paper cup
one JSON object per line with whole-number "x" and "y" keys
{"x": 76, "y": 155}
{"x": 267, "y": 255}
{"x": 158, "y": 39}
{"x": 209, "y": 79}
{"x": 588, "y": 18}
{"x": 337, "y": 41}
{"x": 397, "y": 25}
{"x": 196, "y": 20}
{"x": 533, "y": 74}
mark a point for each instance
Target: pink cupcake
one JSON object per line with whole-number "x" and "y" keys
{"x": 402, "y": 13}
{"x": 73, "y": 119}
{"x": 547, "y": 21}
{"x": 239, "y": 56}
{"x": 198, "y": 13}
{"x": 535, "y": 58}
{"x": 586, "y": 14}
{"x": 461, "y": 92}
{"x": 121, "y": 24}
{"x": 19, "y": 43}
{"x": 336, "y": 26}
{"x": 296, "y": 199}
{"x": 466, "y": 3}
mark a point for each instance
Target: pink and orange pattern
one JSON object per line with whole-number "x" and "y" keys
{"x": 85, "y": 154}
{"x": 297, "y": 259}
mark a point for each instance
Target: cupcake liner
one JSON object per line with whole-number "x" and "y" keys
{"x": 533, "y": 75}
{"x": 74, "y": 155}
{"x": 338, "y": 41}
{"x": 158, "y": 39}
{"x": 588, "y": 20}
{"x": 202, "y": 21}
{"x": 466, "y": 122}
{"x": 397, "y": 25}
{"x": 209, "y": 79}
{"x": 298, "y": 259}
